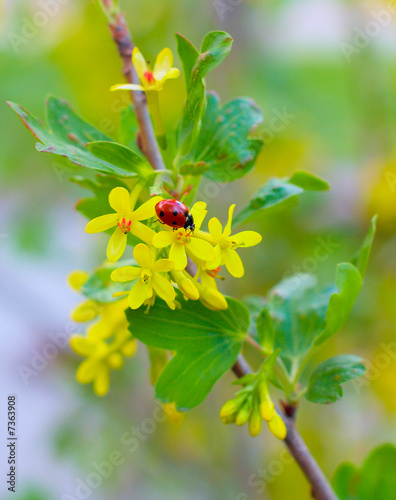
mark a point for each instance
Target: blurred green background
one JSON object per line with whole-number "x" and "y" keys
{"x": 340, "y": 123}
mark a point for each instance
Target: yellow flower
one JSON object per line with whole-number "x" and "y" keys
{"x": 185, "y": 284}
{"x": 184, "y": 242}
{"x": 148, "y": 275}
{"x": 101, "y": 357}
{"x": 151, "y": 80}
{"x": 126, "y": 219}
{"x": 209, "y": 295}
{"x": 226, "y": 244}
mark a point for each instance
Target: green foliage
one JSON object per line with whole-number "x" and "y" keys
{"x": 361, "y": 258}
{"x": 101, "y": 187}
{"x": 188, "y": 55}
{"x": 100, "y": 288}
{"x": 277, "y": 192}
{"x": 121, "y": 156}
{"x": 223, "y": 150}
{"x": 376, "y": 479}
{"x": 206, "y": 344}
{"x": 128, "y": 128}
{"x": 325, "y": 382}
{"x": 265, "y": 330}
{"x": 215, "y": 47}
{"x": 305, "y": 314}
{"x": 67, "y": 135}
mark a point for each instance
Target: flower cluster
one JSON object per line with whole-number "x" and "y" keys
{"x": 106, "y": 342}
{"x": 162, "y": 256}
{"x": 253, "y": 404}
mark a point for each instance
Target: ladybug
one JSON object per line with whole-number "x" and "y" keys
{"x": 175, "y": 214}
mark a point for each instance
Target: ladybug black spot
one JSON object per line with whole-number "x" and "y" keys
{"x": 162, "y": 213}
{"x": 175, "y": 212}
{"x": 174, "y": 223}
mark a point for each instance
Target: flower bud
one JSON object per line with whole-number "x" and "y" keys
{"x": 77, "y": 279}
{"x": 115, "y": 361}
{"x": 129, "y": 349}
{"x": 172, "y": 414}
{"x": 277, "y": 426}
{"x": 267, "y": 407}
{"x": 255, "y": 423}
{"x": 87, "y": 311}
{"x": 243, "y": 414}
{"x": 229, "y": 408}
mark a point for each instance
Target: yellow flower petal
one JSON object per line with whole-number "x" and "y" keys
{"x": 163, "y": 266}
{"x": 86, "y": 371}
{"x": 139, "y": 63}
{"x": 143, "y": 232}
{"x": 247, "y": 238}
{"x": 115, "y": 361}
{"x": 233, "y": 263}
{"x": 127, "y": 86}
{"x": 147, "y": 210}
{"x": 119, "y": 200}
{"x": 86, "y": 311}
{"x": 277, "y": 426}
{"x": 201, "y": 249}
{"x": 116, "y": 245}
{"x": 217, "y": 261}
{"x": 101, "y": 223}
{"x": 171, "y": 74}
{"x": 142, "y": 256}
{"x": 126, "y": 273}
{"x": 163, "y": 64}
{"x": 163, "y": 239}
{"x": 177, "y": 253}
{"x": 163, "y": 288}
{"x": 77, "y": 279}
{"x": 102, "y": 380}
{"x": 138, "y": 294}
{"x": 198, "y": 211}
{"x": 215, "y": 228}
{"x": 227, "y": 229}
{"x": 82, "y": 345}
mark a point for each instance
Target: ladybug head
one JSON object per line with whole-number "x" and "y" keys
{"x": 189, "y": 224}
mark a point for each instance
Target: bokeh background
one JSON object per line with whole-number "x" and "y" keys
{"x": 291, "y": 57}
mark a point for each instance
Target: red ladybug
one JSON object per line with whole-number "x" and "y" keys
{"x": 175, "y": 214}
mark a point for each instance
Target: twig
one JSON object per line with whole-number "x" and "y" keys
{"x": 122, "y": 38}
{"x": 321, "y": 489}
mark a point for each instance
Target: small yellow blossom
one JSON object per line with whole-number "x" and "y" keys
{"x": 209, "y": 295}
{"x": 226, "y": 245}
{"x": 101, "y": 358}
{"x": 126, "y": 218}
{"x": 185, "y": 284}
{"x": 184, "y": 242}
{"x": 149, "y": 279}
{"x": 151, "y": 79}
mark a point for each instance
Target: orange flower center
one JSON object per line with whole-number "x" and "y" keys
{"x": 148, "y": 75}
{"x": 125, "y": 225}
{"x": 213, "y": 272}
{"x": 184, "y": 237}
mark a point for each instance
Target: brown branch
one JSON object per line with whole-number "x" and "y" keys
{"x": 321, "y": 489}
{"x": 149, "y": 146}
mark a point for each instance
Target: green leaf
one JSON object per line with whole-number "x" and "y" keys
{"x": 376, "y": 478}
{"x": 101, "y": 187}
{"x": 265, "y": 330}
{"x": 100, "y": 288}
{"x": 188, "y": 55}
{"x": 158, "y": 361}
{"x": 360, "y": 259}
{"x": 206, "y": 343}
{"x": 224, "y": 150}
{"x": 121, "y": 156}
{"x": 298, "y": 310}
{"x": 277, "y": 192}
{"x": 128, "y": 129}
{"x": 308, "y": 181}
{"x": 325, "y": 382}
{"x": 67, "y": 136}
{"x": 348, "y": 285}
{"x": 215, "y": 47}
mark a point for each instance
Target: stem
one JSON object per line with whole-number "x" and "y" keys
{"x": 149, "y": 146}
{"x": 321, "y": 489}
